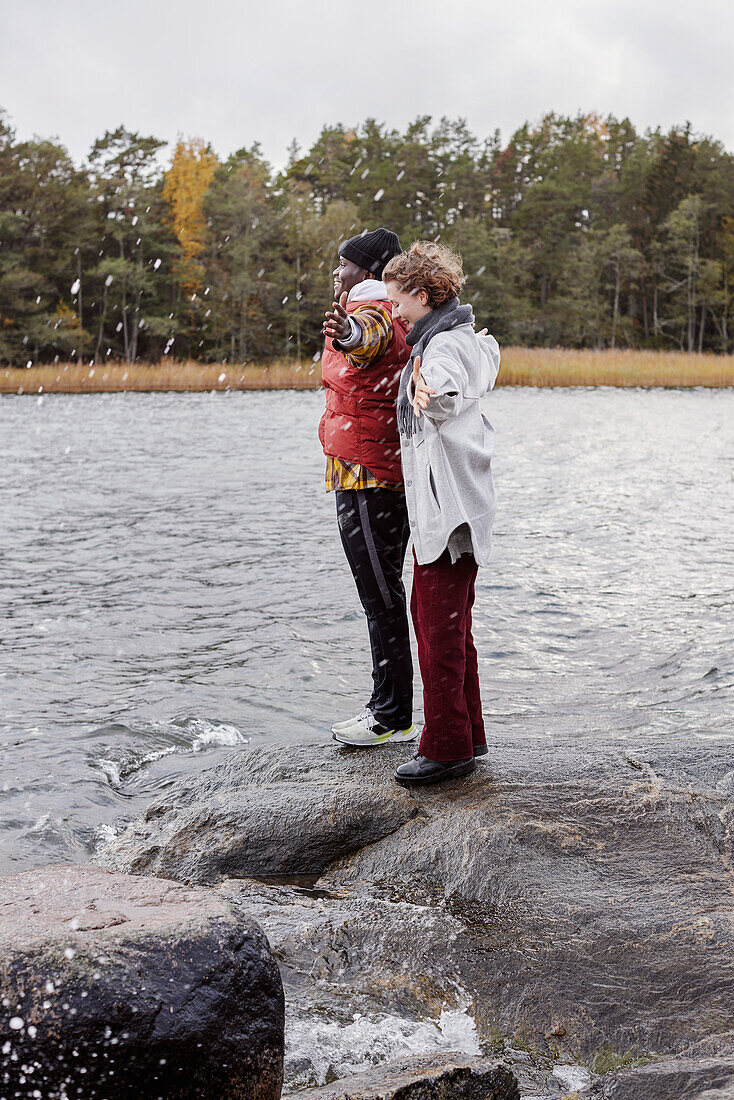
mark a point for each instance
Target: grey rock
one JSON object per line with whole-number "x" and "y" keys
{"x": 579, "y": 894}
{"x": 267, "y": 812}
{"x": 113, "y": 986}
{"x": 368, "y": 981}
{"x": 447, "y": 1078}
{"x": 683, "y": 1078}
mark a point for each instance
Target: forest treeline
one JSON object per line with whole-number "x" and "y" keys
{"x": 578, "y": 232}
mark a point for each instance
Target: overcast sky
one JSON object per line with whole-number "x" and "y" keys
{"x": 273, "y": 70}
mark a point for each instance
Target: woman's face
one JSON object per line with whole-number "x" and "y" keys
{"x": 408, "y": 305}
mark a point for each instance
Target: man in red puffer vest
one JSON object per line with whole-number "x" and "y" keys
{"x": 364, "y": 356}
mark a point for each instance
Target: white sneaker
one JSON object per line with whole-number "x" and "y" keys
{"x": 367, "y": 731}
{"x": 338, "y": 726}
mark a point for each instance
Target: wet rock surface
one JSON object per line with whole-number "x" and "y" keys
{"x": 568, "y": 898}
{"x": 447, "y": 1078}
{"x": 280, "y": 810}
{"x": 113, "y": 986}
{"x": 684, "y": 1078}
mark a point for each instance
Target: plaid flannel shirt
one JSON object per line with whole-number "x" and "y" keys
{"x": 341, "y": 474}
{"x": 375, "y": 337}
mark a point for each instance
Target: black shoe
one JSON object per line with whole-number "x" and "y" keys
{"x": 419, "y": 769}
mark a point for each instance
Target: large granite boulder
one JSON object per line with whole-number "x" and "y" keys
{"x": 446, "y": 1078}
{"x": 285, "y": 810}
{"x": 113, "y": 986}
{"x": 682, "y": 1078}
{"x": 577, "y": 895}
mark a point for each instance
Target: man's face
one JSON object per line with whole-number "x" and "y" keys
{"x": 407, "y": 305}
{"x": 346, "y": 275}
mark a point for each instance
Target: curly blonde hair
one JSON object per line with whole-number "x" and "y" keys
{"x": 427, "y": 266}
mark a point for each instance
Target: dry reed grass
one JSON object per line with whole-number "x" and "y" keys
{"x": 520, "y": 367}
{"x": 166, "y": 375}
{"x": 568, "y": 367}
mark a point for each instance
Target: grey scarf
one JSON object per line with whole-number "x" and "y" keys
{"x": 446, "y": 317}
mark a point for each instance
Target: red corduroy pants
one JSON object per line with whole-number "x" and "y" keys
{"x": 441, "y": 603}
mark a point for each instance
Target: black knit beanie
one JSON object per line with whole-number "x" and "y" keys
{"x": 371, "y": 250}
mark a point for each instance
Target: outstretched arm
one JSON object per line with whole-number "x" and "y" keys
{"x": 336, "y": 323}
{"x": 438, "y": 389}
{"x": 363, "y": 336}
{"x": 421, "y": 390}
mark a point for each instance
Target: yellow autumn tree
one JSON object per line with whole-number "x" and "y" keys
{"x": 184, "y": 186}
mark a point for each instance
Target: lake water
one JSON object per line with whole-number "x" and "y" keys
{"x": 172, "y": 585}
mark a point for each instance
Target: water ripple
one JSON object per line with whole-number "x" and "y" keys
{"x": 172, "y": 585}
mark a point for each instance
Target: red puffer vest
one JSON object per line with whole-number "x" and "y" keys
{"x": 359, "y": 423}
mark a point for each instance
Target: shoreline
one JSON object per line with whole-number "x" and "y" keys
{"x": 530, "y": 367}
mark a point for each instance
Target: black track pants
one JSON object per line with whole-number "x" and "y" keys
{"x": 373, "y": 524}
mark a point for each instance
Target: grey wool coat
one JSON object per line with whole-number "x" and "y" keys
{"x": 447, "y": 463}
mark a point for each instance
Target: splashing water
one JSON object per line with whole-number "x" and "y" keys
{"x": 319, "y": 1050}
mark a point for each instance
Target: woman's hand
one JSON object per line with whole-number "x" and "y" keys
{"x": 336, "y": 325}
{"x": 421, "y": 391}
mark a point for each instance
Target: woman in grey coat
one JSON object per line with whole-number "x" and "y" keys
{"x": 446, "y": 448}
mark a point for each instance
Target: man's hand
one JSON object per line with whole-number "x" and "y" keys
{"x": 421, "y": 391}
{"x": 336, "y": 325}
